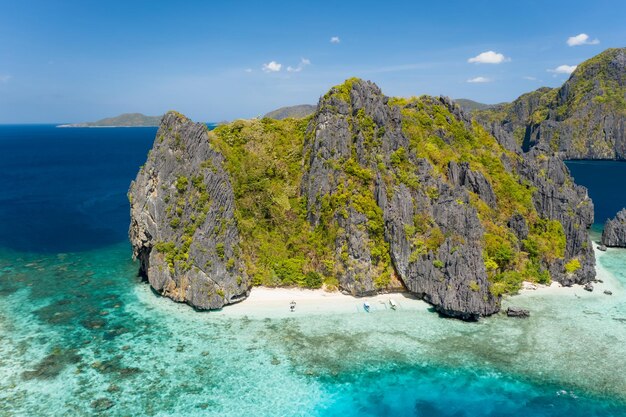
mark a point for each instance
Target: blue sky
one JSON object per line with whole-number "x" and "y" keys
{"x": 70, "y": 61}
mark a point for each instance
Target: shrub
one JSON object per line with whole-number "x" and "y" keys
{"x": 312, "y": 280}
{"x": 219, "y": 249}
{"x": 181, "y": 184}
{"x": 572, "y": 266}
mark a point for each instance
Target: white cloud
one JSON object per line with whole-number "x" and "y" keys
{"x": 4, "y": 78}
{"x": 563, "y": 69}
{"x": 303, "y": 63}
{"x": 582, "y": 39}
{"x": 489, "y": 57}
{"x": 479, "y": 80}
{"x": 335, "y": 39}
{"x": 272, "y": 67}
{"x": 526, "y": 77}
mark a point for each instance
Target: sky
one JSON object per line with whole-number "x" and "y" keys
{"x": 73, "y": 61}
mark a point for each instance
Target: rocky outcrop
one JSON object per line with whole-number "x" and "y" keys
{"x": 451, "y": 274}
{"x": 557, "y": 197}
{"x": 182, "y": 227}
{"x": 517, "y": 312}
{"x": 462, "y": 175}
{"x": 614, "y": 233}
{"x": 393, "y": 193}
{"x": 583, "y": 119}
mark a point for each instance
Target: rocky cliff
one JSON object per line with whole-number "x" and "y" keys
{"x": 182, "y": 230}
{"x": 583, "y": 119}
{"x": 368, "y": 194}
{"x": 614, "y": 233}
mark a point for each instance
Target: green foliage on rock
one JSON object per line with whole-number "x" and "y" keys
{"x": 440, "y": 137}
{"x": 264, "y": 159}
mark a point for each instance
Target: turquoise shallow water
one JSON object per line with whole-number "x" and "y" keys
{"x": 81, "y": 335}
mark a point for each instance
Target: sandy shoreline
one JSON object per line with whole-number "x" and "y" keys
{"x": 274, "y": 302}
{"x": 265, "y": 302}
{"x": 609, "y": 282}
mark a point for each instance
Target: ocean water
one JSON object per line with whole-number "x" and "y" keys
{"x": 605, "y": 183}
{"x": 81, "y": 335}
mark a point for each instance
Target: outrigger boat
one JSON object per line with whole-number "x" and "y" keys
{"x": 366, "y": 307}
{"x": 393, "y": 304}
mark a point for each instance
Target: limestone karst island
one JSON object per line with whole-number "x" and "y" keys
{"x": 302, "y": 209}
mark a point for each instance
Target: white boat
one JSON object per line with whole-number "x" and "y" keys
{"x": 393, "y": 304}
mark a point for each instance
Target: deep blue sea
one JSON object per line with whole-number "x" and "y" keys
{"x": 81, "y": 335}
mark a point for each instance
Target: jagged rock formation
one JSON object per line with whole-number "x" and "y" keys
{"x": 557, "y": 197}
{"x": 358, "y": 128}
{"x": 182, "y": 227}
{"x": 614, "y": 233}
{"x": 583, "y": 119}
{"x": 371, "y": 194}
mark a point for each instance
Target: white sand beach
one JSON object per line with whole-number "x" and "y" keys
{"x": 606, "y": 281}
{"x": 275, "y": 302}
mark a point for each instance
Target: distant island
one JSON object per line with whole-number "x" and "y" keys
{"x": 295, "y": 112}
{"x": 123, "y": 120}
{"x": 471, "y": 105}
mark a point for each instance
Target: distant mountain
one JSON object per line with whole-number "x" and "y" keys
{"x": 123, "y": 120}
{"x": 585, "y": 118}
{"x": 296, "y": 112}
{"x": 471, "y": 105}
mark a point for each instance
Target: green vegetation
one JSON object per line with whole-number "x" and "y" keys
{"x": 595, "y": 89}
{"x": 126, "y": 119}
{"x": 295, "y": 112}
{"x": 264, "y": 159}
{"x": 572, "y": 266}
{"x": 508, "y": 262}
{"x": 188, "y": 212}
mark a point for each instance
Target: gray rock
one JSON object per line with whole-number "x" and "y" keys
{"x": 601, "y": 248}
{"x": 517, "y": 223}
{"x": 452, "y": 278}
{"x": 517, "y": 312}
{"x": 557, "y": 197}
{"x": 582, "y": 119}
{"x": 608, "y": 292}
{"x": 614, "y": 233}
{"x": 185, "y": 236}
{"x": 588, "y": 287}
{"x": 183, "y": 232}
{"x": 463, "y": 176}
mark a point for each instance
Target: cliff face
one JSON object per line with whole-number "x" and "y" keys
{"x": 583, "y": 119}
{"x": 614, "y": 233}
{"x": 557, "y": 197}
{"x": 182, "y": 227}
{"x": 392, "y": 213}
{"x": 369, "y": 194}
